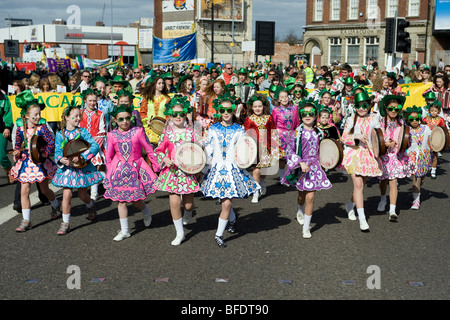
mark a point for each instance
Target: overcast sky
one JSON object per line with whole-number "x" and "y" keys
{"x": 289, "y": 15}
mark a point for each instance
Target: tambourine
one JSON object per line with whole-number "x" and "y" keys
{"x": 74, "y": 148}
{"x": 377, "y": 142}
{"x": 331, "y": 153}
{"x": 190, "y": 157}
{"x": 37, "y": 143}
{"x": 157, "y": 125}
{"x": 439, "y": 139}
{"x": 403, "y": 139}
{"x": 246, "y": 152}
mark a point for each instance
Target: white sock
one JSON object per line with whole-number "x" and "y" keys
{"x": 306, "y": 222}
{"x": 361, "y": 215}
{"x": 350, "y": 205}
{"x": 26, "y": 214}
{"x": 221, "y": 227}
{"x": 232, "y": 216}
{"x": 392, "y": 207}
{"x": 383, "y": 198}
{"x": 90, "y": 204}
{"x": 54, "y": 203}
{"x": 94, "y": 189}
{"x": 179, "y": 227}
{"x": 146, "y": 210}
{"x": 124, "y": 225}
{"x": 433, "y": 170}
{"x": 66, "y": 217}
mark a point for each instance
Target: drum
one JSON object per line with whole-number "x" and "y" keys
{"x": 190, "y": 157}
{"x": 403, "y": 139}
{"x": 74, "y": 148}
{"x": 157, "y": 125}
{"x": 377, "y": 142}
{"x": 331, "y": 153}
{"x": 246, "y": 152}
{"x": 37, "y": 143}
{"x": 439, "y": 139}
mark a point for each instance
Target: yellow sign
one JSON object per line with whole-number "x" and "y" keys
{"x": 55, "y": 103}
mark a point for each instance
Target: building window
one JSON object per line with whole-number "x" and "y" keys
{"x": 372, "y": 9}
{"x": 413, "y": 8}
{"x": 335, "y": 10}
{"x": 335, "y": 45}
{"x": 353, "y": 9}
{"x": 318, "y": 12}
{"x": 372, "y": 46}
{"x": 352, "y": 51}
{"x": 392, "y": 8}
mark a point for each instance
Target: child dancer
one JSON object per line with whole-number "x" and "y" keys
{"x": 93, "y": 120}
{"x": 128, "y": 176}
{"x": 359, "y": 160}
{"x": 125, "y": 97}
{"x": 68, "y": 175}
{"x": 171, "y": 178}
{"x": 25, "y": 170}
{"x": 224, "y": 180}
{"x": 286, "y": 120}
{"x": 304, "y": 169}
{"x": 419, "y": 151}
{"x": 260, "y": 125}
{"x": 326, "y": 124}
{"x": 434, "y": 120}
{"x": 394, "y": 164}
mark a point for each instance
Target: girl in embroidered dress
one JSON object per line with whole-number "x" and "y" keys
{"x": 394, "y": 164}
{"x": 359, "y": 161}
{"x": 154, "y": 98}
{"x": 25, "y": 170}
{"x": 69, "y": 175}
{"x": 171, "y": 178}
{"x": 304, "y": 170}
{"x": 419, "y": 150}
{"x": 223, "y": 179}
{"x": 93, "y": 120}
{"x": 129, "y": 178}
{"x": 434, "y": 120}
{"x": 261, "y": 126}
{"x": 286, "y": 120}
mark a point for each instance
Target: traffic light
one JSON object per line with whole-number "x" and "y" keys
{"x": 389, "y": 45}
{"x": 402, "y": 41}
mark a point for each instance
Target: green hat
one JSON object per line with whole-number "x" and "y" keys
{"x": 392, "y": 75}
{"x": 99, "y": 78}
{"x": 289, "y": 83}
{"x": 435, "y": 103}
{"x": 196, "y": 67}
{"x": 178, "y": 100}
{"x": 258, "y": 97}
{"x": 349, "y": 80}
{"x": 25, "y": 99}
{"x": 182, "y": 79}
{"x": 382, "y": 105}
{"x": 122, "y": 108}
{"x": 362, "y": 96}
{"x": 414, "y": 108}
{"x": 166, "y": 75}
{"x": 243, "y": 71}
{"x": 123, "y": 92}
{"x": 119, "y": 79}
{"x": 429, "y": 95}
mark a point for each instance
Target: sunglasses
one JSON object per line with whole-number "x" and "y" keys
{"x": 311, "y": 113}
{"x": 392, "y": 109}
{"x": 297, "y": 91}
{"x": 223, "y": 110}
{"x": 362, "y": 106}
{"x": 271, "y": 74}
{"x": 124, "y": 119}
{"x": 411, "y": 119}
{"x": 177, "y": 114}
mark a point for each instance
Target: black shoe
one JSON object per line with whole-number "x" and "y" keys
{"x": 220, "y": 242}
{"x": 231, "y": 226}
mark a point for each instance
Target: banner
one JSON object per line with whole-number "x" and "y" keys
{"x": 177, "y": 50}
{"x": 111, "y": 67}
{"x": 55, "y": 64}
{"x": 92, "y": 63}
{"x": 28, "y": 66}
{"x": 55, "y": 103}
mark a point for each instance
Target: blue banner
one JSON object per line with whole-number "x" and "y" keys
{"x": 177, "y": 50}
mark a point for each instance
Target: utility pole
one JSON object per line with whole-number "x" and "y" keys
{"x": 212, "y": 32}
{"x": 232, "y": 35}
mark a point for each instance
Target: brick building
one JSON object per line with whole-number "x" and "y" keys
{"x": 354, "y": 31}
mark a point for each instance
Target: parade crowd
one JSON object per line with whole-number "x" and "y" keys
{"x": 105, "y": 147}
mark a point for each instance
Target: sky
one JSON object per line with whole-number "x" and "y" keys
{"x": 289, "y": 15}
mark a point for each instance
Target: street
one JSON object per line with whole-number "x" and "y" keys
{"x": 266, "y": 259}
